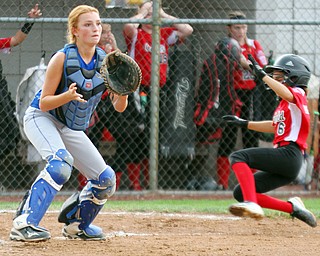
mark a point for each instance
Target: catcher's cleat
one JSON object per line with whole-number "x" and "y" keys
{"x": 91, "y": 233}
{"x": 247, "y": 209}
{"x": 301, "y": 213}
{"x": 30, "y": 234}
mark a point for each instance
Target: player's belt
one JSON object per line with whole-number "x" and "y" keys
{"x": 286, "y": 143}
{"x": 283, "y": 143}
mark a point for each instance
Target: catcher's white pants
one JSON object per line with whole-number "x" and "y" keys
{"x": 48, "y": 135}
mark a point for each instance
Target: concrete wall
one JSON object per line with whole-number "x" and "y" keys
{"x": 290, "y": 38}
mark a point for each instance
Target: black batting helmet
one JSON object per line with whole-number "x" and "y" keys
{"x": 296, "y": 69}
{"x": 228, "y": 47}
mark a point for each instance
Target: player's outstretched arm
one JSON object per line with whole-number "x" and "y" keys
{"x": 259, "y": 126}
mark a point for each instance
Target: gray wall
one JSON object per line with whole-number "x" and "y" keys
{"x": 282, "y": 39}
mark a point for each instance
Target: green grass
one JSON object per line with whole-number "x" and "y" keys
{"x": 186, "y": 205}
{"x": 213, "y": 206}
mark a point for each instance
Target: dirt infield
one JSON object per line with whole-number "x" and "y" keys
{"x": 164, "y": 234}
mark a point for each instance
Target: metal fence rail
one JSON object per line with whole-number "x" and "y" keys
{"x": 278, "y": 30}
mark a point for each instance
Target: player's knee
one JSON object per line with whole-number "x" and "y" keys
{"x": 105, "y": 186}
{"x": 235, "y": 157}
{"x": 237, "y": 193}
{"x": 59, "y": 166}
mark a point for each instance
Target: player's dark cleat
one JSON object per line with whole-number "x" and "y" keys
{"x": 247, "y": 209}
{"x": 30, "y": 234}
{"x": 301, "y": 213}
{"x": 92, "y": 233}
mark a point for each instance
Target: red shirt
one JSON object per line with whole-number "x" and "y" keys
{"x": 140, "y": 49}
{"x": 244, "y": 79}
{"x": 5, "y": 44}
{"x": 292, "y": 120}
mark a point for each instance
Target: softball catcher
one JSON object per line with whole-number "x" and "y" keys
{"x": 55, "y": 124}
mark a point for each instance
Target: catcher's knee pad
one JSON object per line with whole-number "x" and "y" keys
{"x": 60, "y": 166}
{"x": 105, "y": 186}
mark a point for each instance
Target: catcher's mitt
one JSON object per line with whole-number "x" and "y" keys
{"x": 121, "y": 74}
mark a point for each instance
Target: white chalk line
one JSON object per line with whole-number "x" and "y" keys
{"x": 175, "y": 215}
{"x": 113, "y": 235}
{"x": 157, "y": 214}
{"x": 144, "y": 214}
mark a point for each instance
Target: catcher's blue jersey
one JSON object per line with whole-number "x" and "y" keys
{"x": 76, "y": 115}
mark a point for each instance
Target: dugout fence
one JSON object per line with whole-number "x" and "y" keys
{"x": 178, "y": 160}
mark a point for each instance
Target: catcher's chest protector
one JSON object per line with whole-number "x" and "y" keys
{"x": 74, "y": 114}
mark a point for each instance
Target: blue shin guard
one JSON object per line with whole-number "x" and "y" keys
{"x": 43, "y": 190}
{"x": 78, "y": 218}
{"x": 79, "y": 211}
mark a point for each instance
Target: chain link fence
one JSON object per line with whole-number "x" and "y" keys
{"x": 182, "y": 154}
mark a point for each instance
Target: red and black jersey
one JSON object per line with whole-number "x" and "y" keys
{"x": 292, "y": 120}
{"x": 243, "y": 78}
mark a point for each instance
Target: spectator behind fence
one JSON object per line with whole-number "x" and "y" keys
{"x": 215, "y": 97}
{"x": 134, "y": 140}
{"x": 244, "y": 85}
{"x": 280, "y": 165}
{"x": 9, "y": 128}
{"x": 7, "y": 43}
{"x": 100, "y": 119}
{"x": 107, "y": 41}
{"x": 52, "y": 127}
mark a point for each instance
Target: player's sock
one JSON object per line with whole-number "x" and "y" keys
{"x": 246, "y": 181}
{"x": 118, "y": 179}
{"x": 269, "y": 202}
{"x": 134, "y": 175}
{"x": 145, "y": 172}
{"x": 223, "y": 171}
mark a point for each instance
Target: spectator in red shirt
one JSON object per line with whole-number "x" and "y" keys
{"x": 138, "y": 38}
